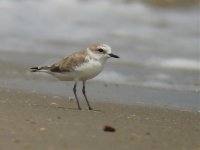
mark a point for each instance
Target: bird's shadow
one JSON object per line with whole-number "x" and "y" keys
{"x": 69, "y": 108}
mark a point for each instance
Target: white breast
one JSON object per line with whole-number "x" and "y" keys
{"x": 89, "y": 69}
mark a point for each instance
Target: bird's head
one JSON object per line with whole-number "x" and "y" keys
{"x": 101, "y": 52}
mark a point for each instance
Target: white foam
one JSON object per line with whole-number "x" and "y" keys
{"x": 175, "y": 63}
{"x": 181, "y": 63}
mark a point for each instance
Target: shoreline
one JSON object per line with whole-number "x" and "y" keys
{"x": 15, "y": 74}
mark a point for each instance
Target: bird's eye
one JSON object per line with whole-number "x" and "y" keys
{"x": 100, "y": 50}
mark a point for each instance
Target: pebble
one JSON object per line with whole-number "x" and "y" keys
{"x": 53, "y": 103}
{"x": 43, "y": 129}
{"x": 108, "y": 128}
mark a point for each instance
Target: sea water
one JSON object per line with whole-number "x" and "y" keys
{"x": 159, "y": 47}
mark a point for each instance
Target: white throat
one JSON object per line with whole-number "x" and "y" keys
{"x": 98, "y": 57}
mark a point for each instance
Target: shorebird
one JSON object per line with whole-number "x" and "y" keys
{"x": 79, "y": 66}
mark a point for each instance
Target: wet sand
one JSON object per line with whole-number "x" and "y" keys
{"x": 34, "y": 121}
{"x": 15, "y": 74}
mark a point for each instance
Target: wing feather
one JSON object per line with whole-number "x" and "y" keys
{"x": 69, "y": 63}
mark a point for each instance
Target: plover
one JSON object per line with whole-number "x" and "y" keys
{"x": 79, "y": 66}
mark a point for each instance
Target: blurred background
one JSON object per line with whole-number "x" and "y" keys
{"x": 157, "y": 40}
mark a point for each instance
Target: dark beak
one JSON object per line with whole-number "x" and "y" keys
{"x": 113, "y": 55}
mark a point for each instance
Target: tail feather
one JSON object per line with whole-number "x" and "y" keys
{"x": 43, "y": 68}
{"x": 34, "y": 69}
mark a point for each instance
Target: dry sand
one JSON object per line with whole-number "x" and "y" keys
{"x": 32, "y": 121}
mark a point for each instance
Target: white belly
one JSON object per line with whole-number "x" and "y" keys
{"x": 83, "y": 72}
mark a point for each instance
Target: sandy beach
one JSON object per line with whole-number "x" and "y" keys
{"x": 33, "y": 121}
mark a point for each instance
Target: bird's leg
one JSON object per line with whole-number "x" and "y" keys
{"x": 84, "y": 93}
{"x": 74, "y": 90}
